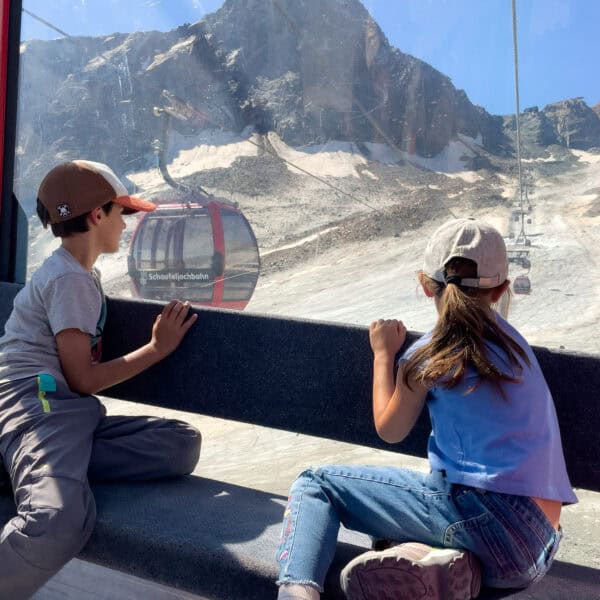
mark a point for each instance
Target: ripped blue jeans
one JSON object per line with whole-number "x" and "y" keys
{"x": 510, "y": 534}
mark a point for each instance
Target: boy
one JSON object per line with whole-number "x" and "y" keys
{"x": 54, "y": 433}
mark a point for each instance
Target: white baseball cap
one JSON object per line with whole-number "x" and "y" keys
{"x": 468, "y": 238}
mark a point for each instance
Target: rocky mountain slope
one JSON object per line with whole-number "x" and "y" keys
{"x": 309, "y": 71}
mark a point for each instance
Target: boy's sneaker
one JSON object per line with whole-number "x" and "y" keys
{"x": 412, "y": 571}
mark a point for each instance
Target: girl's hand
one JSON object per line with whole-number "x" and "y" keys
{"x": 387, "y": 336}
{"x": 170, "y": 326}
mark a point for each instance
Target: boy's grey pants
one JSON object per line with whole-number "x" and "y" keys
{"x": 50, "y": 447}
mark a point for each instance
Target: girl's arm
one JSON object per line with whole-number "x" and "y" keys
{"x": 86, "y": 377}
{"x": 396, "y": 407}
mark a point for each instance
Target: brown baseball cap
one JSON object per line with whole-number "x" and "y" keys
{"x": 76, "y": 187}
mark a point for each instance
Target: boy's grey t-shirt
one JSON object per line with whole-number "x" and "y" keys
{"x": 60, "y": 295}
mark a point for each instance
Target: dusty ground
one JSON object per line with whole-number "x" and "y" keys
{"x": 345, "y": 243}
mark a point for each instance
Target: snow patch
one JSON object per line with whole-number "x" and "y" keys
{"x": 468, "y": 176}
{"x": 159, "y": 59}
{"x": 369, "y": 174}
{"x": 550, "y": 158}
{"x": 333, "y": 159}
{"x": 300, "y": 242}
{"x": 217, "y": 149}
{"x": 449, "y": 162}
{"x": 210, "y": 149}
{"x": 587, "y": 157}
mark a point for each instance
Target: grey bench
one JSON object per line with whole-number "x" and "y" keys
{"x": 217, "y": 539}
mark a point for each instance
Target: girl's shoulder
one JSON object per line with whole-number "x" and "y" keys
{"x": 499, "y": 356}
{"x": 414, "y": 346}
{"x": 513, "y": 333}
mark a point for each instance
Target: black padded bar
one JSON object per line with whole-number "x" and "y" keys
{"x": 315, "y": 378}
{"x": 309, "y": 377}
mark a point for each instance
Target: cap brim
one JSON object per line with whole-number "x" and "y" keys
{"x": 134, "y": 204}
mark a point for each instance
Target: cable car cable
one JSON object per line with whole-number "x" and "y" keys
{"x": 316, "y": 177}
{"x": 107, "y": 58}
{"x": 37, "y": 18}
{"x": 337, "y": 189}
{"x": 165, "y": 110}
{"x": 158, "y": 111}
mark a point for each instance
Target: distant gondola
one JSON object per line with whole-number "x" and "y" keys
{"x": 198, "y": 248}
{"x": 522, "y": 285}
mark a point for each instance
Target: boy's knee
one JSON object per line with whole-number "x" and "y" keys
{"x": 56, "y": 525}
{"x": 190, "y": 455}
{"x": 187, "y": 448}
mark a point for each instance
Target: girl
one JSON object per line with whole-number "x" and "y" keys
{"x": 491, "y": 504}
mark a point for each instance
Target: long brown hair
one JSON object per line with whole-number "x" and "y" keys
{"x": 458, "y": 339}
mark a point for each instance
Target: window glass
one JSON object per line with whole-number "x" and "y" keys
{"x": 172, "y": 255}
{"x": 344, "y": 132}
{"x": 198, "y": 247}
{"x": 241, "y": 257}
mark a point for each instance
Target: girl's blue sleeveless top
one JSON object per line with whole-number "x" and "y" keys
{"x": 504, "y": 443}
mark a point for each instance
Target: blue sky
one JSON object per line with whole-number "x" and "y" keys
{"x": 470, "y": 41}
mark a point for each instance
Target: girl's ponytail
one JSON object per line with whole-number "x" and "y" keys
{"x": 459, "y": 338}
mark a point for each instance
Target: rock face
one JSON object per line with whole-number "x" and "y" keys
{"x": 313, "y": 71}
{"x": 538, "y": 128}
{"x": 569, "y": 123}
{"x": 310, "y": 71}
{"x": 575, "y": 123}
{"x": 86, "y": 97}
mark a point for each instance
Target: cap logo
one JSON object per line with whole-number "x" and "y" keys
{"x": 64, "y": 210}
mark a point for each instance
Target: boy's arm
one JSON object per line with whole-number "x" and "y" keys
{"x": 396, "y": 406}
{"x": 85, "y": 377}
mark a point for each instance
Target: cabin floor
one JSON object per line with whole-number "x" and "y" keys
{"x": 269, "y": 460}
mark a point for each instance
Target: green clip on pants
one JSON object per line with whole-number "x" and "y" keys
{"x": 51, "y": 442}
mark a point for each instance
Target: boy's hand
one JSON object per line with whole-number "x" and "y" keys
{"x": 387, "y": 337}
{"x": 170, "y": 326}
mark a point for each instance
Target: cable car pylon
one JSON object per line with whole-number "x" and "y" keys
{"x": 522, "y": 284}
